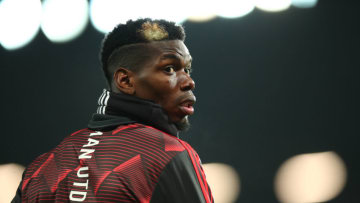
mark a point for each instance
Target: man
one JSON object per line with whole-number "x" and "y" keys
{"x": 130, "y": 151}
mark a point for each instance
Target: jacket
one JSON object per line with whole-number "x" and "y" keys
{"x": 130, "y": 152}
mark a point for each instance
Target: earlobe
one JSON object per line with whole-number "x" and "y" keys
{"x": 123, "y": 81}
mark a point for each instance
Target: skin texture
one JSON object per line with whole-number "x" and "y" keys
{"x": 164, "y": 79}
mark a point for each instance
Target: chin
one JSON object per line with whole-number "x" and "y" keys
{"x": 183, "y": 124}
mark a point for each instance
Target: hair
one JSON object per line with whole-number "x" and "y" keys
{"x": 125, "y": 46}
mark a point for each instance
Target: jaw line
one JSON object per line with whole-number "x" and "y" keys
{"x": 183, "y": 124}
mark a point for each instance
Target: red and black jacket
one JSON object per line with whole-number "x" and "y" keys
{"x": 130, "y": 152}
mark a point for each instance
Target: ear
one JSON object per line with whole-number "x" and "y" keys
{"x": 124, "y": 80}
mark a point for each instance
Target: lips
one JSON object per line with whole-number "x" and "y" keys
{"x": 187, "y": 105}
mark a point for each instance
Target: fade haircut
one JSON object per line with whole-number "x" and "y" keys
{"x": 125, "y": 46}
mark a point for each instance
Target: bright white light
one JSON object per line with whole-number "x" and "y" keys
{"x": 224, "y": 182}
{"x": 304, "y": 3}
{"x": 234, "y": 8}
{"x": 63, "y": 20}
{"x": 202, "y": 18}
{"x": 200, "y": 10}
{"x": 315, "y": 177}
{"x": 19, "y": 22}
{"x": 273, "y": 5}
{"x": 163, "y": 9}
{"x": 105, "y": 15}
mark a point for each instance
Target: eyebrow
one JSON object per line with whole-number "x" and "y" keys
{"x": 173, "y": 56}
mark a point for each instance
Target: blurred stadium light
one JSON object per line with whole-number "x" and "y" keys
{"x": 64, "y": 20}
{"x": 234, "y": 8}
{"x": 304, "y": 3}
{"x": 19, "y": 22}
{"x": 224, "y": 182}
{"x": 104, "y": 15}
{"x": 314, "y": 177}
{"x": 273, "y": 5}
{"x": 10, "y": 176}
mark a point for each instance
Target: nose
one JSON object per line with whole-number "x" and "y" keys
{"x": 187, "y": 83}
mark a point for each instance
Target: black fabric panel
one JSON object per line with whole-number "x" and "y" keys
{"x": 107, "y": 122}
{"x": 140, "y": 110}
{"x": 178, "y": 183}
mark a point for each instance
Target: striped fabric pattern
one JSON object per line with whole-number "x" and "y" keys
{"x": 122, "y": 165}
{"x": 102, "y": 102}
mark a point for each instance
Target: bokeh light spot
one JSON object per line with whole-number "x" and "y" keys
{"x": 314, "y": 177}
{"x": 304, "y": 3}
{"x": 10, "y": 176}
{"x": 64, "y": 20}
{"x": 224, "y": 182}
{"x": 19, "y": 22}
{"x": 273, "y": 5}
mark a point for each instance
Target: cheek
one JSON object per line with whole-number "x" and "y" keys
{"x": 162, "y": 90}
{"x": 165, "y": 86}
{"x": 167, "y": 94}
{"x": 172, "y": 82}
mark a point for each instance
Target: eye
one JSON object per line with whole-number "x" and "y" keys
{"x": 169, "y": 69}
{"x": 188, "y": 70}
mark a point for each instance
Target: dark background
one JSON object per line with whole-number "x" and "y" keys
{"x": 269, "y": 86}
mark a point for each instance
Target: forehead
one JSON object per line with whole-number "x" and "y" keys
{"x": 171, "y": 47}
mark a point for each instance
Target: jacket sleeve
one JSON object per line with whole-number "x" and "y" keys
{"x": 180, "y": 182}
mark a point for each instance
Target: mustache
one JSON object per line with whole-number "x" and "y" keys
{"x": 189, "y": 95}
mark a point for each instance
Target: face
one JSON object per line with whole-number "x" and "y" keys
{"x": 165, "y": 79}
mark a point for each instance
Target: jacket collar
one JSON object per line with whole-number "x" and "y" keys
{"x": 116, "y": 109}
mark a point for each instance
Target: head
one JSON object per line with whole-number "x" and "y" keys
{"x": 148, "y": 59}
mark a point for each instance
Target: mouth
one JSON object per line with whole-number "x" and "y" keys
{"x": 187, "y": 105}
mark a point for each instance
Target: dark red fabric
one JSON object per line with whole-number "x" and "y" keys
{"x": 122, "y": 165}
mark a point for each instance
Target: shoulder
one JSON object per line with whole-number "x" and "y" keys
{"x": 150, "y": 134}
{"x": 188, "y": 147}
{"x": 137, "y": 128}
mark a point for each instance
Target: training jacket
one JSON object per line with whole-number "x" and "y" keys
{"x": 130, "y": 152}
